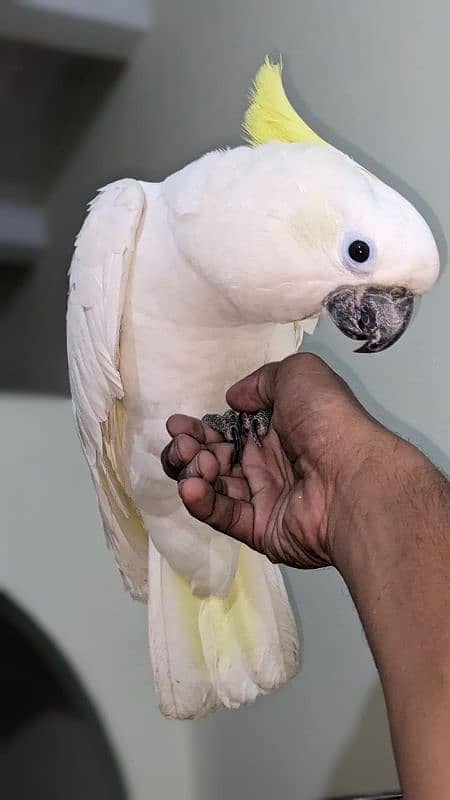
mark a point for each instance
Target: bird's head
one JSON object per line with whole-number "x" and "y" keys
{"x": 291, "y": 226}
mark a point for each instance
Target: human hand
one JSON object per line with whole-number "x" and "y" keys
{"x": 293, "y": 496}
{"x": 329, "y": 485}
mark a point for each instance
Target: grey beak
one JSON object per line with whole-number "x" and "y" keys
{"x": 378, "y": 314}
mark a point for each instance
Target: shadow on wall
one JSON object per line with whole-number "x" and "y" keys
{"x": 367, "y": 755}
{"x": 343, "y": 368}
{"x": 258, "y": 752}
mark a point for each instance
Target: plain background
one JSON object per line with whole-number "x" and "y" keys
{"x": 373, "y": 79}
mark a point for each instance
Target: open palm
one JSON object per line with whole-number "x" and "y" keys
{"x": 286, "y": 497}
{"x": 264, "y": 502}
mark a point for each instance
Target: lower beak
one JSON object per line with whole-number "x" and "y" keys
{"x": 378, "y": 314}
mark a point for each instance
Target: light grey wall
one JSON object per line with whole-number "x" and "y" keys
{"x": 372, "y": 77}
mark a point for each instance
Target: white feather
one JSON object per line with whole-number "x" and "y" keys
{"x": 250, "y": 638}
{"x": 183, "y": 684}
{"x": 122, "y": 343}
{"x": 99, "y": 272}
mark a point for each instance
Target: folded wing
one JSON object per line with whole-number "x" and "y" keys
{"x": 99, "y": 275}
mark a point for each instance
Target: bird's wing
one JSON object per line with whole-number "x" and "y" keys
{"x": 99, "y": 273}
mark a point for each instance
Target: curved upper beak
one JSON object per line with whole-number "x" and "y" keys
{"x": 378, "y": 314}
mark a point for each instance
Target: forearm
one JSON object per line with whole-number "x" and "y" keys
{"x": 398, "y": 572}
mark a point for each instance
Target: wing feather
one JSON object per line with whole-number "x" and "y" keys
{"x": 99, "y": 274}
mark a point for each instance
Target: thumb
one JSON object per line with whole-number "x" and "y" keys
{"x": 256, "y": 391}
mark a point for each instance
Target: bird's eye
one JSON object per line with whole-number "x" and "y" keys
{"x": 358, "y": 253}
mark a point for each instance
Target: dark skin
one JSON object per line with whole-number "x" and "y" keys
{"x": 331, "y": 486}
{"x": 282, "y": 499}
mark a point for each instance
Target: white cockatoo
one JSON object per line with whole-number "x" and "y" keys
{"x": 177, "y": 290}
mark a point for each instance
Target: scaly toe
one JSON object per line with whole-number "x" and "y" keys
{"x": 230, "y": 426}
{"x": 259, "y": 425}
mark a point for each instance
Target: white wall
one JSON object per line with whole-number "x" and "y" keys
{"x": 373, "y": 78}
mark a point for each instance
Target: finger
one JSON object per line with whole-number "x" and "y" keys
{"x": 233, "y": 517}
{"x": 178, "y": 453}
{"x": 182, "y": 423}
{"x": 256, "y": 391}
{"x": 237, "y": 488}
{"x": 224, "y": 453}
{"x": 204, "y": 465}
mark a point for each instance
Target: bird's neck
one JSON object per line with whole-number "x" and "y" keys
{"x": 165, "y": 285}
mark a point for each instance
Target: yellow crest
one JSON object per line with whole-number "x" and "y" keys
{"x": 270, "y": 116}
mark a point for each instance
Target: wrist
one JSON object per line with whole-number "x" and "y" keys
{"x": 377, "y": 498}
{"x": 393, "y": 551}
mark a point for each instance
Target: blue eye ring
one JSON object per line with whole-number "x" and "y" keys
{"x": 358, "y": 252}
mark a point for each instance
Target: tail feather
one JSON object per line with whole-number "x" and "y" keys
{"x": 249, "y": 638}
{"x": 181, "y": 677}
{"x": 219, "y": 652}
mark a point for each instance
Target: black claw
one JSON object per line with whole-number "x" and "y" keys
{"x": 237, "y": 444}
{"x": 255, "y": 432}
{"x": 237, "y": 427}
{"x": 260, "y": 425}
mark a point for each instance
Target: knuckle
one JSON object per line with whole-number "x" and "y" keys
{"x": 310, "y": 360}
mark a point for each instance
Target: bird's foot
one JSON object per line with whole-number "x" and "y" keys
{"x": 231, "y": 427}
{"x": 236, "y": 427}
{"x": 256, "y": 425}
